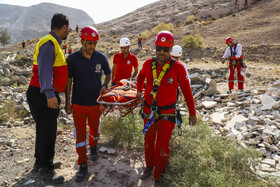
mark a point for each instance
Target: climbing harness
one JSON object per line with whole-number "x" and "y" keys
{"x": 155, "y": 114}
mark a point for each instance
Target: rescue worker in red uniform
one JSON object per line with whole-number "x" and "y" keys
{"x": 85, "y": 70}
{"x": 140, "y": 42}
{"x": 245, "y": 3}
{"x": 50, "y": 72}
{"x": 163, "y": 75}
{"x": 123, "y": 63}
{"x": 69, "y": 50}
{"x": 234, "y": 54}
{"x": 64, "y": 46}
{"x": 23, "y": 44}
{"x": 77, "y": 29}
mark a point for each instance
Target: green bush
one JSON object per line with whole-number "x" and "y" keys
{"x": 190, "y": 19}
{"x": 9, "y": 112}
{"x": 193, "y": 42}
{"x": 123, "y": 132}
{"x": 199, "y": 158}
{"x": 162, "y": 27}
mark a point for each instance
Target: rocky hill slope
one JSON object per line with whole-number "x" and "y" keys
{"x": 255, "y": 27}
{"x": 34, "y": 21}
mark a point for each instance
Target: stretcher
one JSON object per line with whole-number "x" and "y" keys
{"x": 121, "y": 97}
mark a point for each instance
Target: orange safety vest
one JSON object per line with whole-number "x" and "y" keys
{"x": 60, "y": 68}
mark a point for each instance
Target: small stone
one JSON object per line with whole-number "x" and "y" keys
{"x": 270, "y": 162}
{"x": 209, "y": 104}
{"x": 267, "y": 168}
{"x": 111, "y": 151}
{"x": 102, "y": 149}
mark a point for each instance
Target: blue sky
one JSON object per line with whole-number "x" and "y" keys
{"x": 101, "y": 10}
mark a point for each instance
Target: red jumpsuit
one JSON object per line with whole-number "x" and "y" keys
{"x": 159, "y": 133}
{"x": 124, "y": 66}
{"x": 235, "y": 54}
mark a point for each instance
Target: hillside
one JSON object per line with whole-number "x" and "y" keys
{"x": 34, "y": 21}
{"x": 256, "y": 28}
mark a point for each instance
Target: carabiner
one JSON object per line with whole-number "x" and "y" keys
{"x": 156, "y": 80}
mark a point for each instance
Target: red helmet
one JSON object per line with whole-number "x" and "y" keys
{"x": 164, "y": 39}
{"x": 228, "y": 40}
{"x": 89, "y": 33}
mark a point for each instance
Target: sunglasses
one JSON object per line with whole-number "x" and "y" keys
{"x": 165, "y": 49}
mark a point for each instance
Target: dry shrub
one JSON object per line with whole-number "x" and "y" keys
{"x": 123, "y": 132}
{"x": 193, "y": 42}
{"x": 162, "y": 27}
{"x": 190, "y": 19}
{"x": 145, "y": 35}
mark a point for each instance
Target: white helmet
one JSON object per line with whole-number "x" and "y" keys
{"x": 176, "y": 51}
{"x": 124, "y": 42}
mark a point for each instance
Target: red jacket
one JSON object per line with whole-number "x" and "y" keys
{"x": 167, "y": 91}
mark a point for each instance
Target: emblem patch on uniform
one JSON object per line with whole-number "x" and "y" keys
{"x": 93, "y": 34}
{"x": 163, "y": 39}
{"x": 170, "y": 80}
{"x": 98, "y": 68}
{"x": 128, "y": 62}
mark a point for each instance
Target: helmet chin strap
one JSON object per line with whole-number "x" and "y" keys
{"x": 84, "y": 44}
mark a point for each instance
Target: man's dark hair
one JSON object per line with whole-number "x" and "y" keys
{"x": 58, "y": 21}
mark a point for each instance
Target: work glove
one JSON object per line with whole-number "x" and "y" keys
{"x": 223, "y": 60}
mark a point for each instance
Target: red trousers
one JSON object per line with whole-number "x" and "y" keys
{"x": 157, "y": 146}
{"x": 83, "y": 115}
{"x": 240, "y": 77}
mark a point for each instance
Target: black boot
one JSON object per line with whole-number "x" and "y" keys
{"x": 147, "y": 173}
{"x": 93, "y": 153}
{"x": 54, "y": 165}
{"x": 50, "y": 175}
{"x": 82, "y": 172}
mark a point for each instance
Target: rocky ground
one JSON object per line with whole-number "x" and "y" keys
{"x": 124, "y": 167}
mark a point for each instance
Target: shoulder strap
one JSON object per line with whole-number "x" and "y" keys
{"x": 157, "y": 80}
{"x": 235, "y": 48}
{"x": 233, "y": 53}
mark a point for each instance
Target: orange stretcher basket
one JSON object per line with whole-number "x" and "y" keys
{"x": 121, "y": 97}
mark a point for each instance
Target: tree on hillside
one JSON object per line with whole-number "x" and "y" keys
{"x": 5, "y": 37}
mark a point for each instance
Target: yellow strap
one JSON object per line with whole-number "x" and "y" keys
{"x": 158, "y": 79}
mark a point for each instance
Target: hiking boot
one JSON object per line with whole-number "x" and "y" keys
{"x": 50, "y": 175}
{"x": 229, "y": 92}
{"x": 93, "y": 153}
{"x": 54, "y": 165}
{"x": 147, "y": 173}
{"x": 82, "y": 172}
